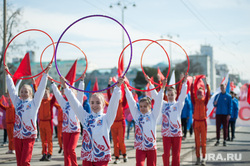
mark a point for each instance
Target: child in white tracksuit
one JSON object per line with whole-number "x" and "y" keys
{"x": 26, "y": 109}
{"x": 171, "y": 123}
{"x": 96, "y": 125}
{"x": 145, "y": 126}
{"x": 71, "y": 125}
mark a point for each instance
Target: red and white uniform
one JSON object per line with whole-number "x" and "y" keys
{"x": 71, "y": 123}
{"x": 96, "y": 127}
{"x": 171, "y": 114}
{"x": 145, "y": 124}
{"x": 26, "y": 110}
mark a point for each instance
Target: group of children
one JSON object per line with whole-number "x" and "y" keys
{"x": 96, "y": 124}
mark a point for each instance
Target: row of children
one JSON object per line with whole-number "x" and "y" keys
{"x": 96, "y": 124}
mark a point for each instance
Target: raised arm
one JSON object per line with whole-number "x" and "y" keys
{"x": 11, "y": 87}
{"x": 75, "y": 104}
{"x": 159, "y": 101}
{"x": 2, "y": 106}
{"x": 207, "y": 94}
{"x": 38, "y": 96}
{"x": 113, "y": 103}
{"x": 132, "y": 103}
{"x": 80, "y": 94}
{"x": 182, "y": 96}
{"x": 58, "y": 95}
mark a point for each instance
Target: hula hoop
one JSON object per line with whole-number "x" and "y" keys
{"x": 169, "y": 63}
{"x": 75, "y": 23}
{"x": 28, "y": 77}
{"x": 153, "y": 41}
{"x": 72, "y": 45}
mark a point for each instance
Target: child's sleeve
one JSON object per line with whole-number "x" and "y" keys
{"x": 158, "y": 104}
{"x": 58, "y": 95}
{"x": 154, "y": 93}
{"x": 113, "y": 106}
{"x": 12, "y": 89}
{"x": 80, "y": 94}
{"x": 2, "y": 106}
{"x": 181, "y": 99}
{"x": 38, "y": 96}
{"x": 75, "y": 104}
{"x": 132, "y": 104}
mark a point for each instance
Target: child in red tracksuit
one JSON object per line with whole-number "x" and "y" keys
{"x": 145, "y": 126}
{"x": 10, "y": 120}
{"x": 171, "y": 123}
{"x": 96, "y": 125}
{"x": 26, "y": 109}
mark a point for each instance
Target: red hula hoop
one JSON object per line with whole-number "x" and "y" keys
{"x": 28, "y": 77}
{"x": 169, "y": 60}
{"x": 72, "y": 45}
{"x": 142, "y": 68}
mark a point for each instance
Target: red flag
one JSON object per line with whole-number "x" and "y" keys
{"x": 23, "y": 69}
{"x": 160, "y": 74}
{"x": 121, "y": 66}
{"x": 71, "y": 76}
{"x": 38, "y": 79}
{"x": 199, "y": 83}
{"x": 95, "y": 87}
{"x": 248, "y": 94}
{"x": 189, "y": 82}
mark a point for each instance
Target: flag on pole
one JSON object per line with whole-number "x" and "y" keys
{"x": 23, "y": 69}
{"x": 96, "y": 87}
{"x": 71, "y": 76}
{"x": 160, "y": 74}
{"x": 172, "y": 79}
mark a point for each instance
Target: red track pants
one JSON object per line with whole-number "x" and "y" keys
{"x": 175, "y": 144}
{"x": 24, "y": 148}
{"x": 69, "y": 144}
{"x": 141, "y": 155}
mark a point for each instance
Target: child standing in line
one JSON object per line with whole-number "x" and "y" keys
{"x": 71, "y": 125}
{"x": 26, "y": 109}
{"x": 145, "y": 126}
{"x": 10, "y": 120}
{"x": 171, "y": 123}
{"x": 118, "y": 127}
{"x": 200, "y": 121}
{"x": 96, "y": 125}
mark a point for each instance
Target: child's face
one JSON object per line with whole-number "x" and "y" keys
{"x": 200, "y": 94}
{"x": 46, "y": 94}
{"x": 144, "y": 107}
{"x": 171, "y": 96}
{"x": 96, "y": 104}
{"x": 25, "y": 93}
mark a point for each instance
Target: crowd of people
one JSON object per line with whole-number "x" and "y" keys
{"x": 101, "y": 120}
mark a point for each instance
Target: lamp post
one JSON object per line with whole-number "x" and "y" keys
{"x": 170, "y": 37}
{"x": 4, "y": 42}
{"x": 122, "y": 7}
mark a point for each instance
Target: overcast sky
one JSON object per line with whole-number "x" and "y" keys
{"x": 222, "y": 24}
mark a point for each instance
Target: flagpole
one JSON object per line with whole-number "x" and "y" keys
{"x": 4, "y": 43}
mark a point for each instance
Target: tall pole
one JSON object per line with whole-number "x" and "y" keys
{"x": 4, "y": 43}
{"x": 122, "y": 29}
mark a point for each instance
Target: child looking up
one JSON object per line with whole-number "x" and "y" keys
{"x": 96, "y": 125}
{"x": 171, "y": 122}
{"x": 26, "y": 108}
{"x": 145, "y": 126}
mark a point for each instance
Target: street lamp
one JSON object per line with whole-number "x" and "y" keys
{"x": 170, "y": 36}
{"x": 122, "y": 7}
